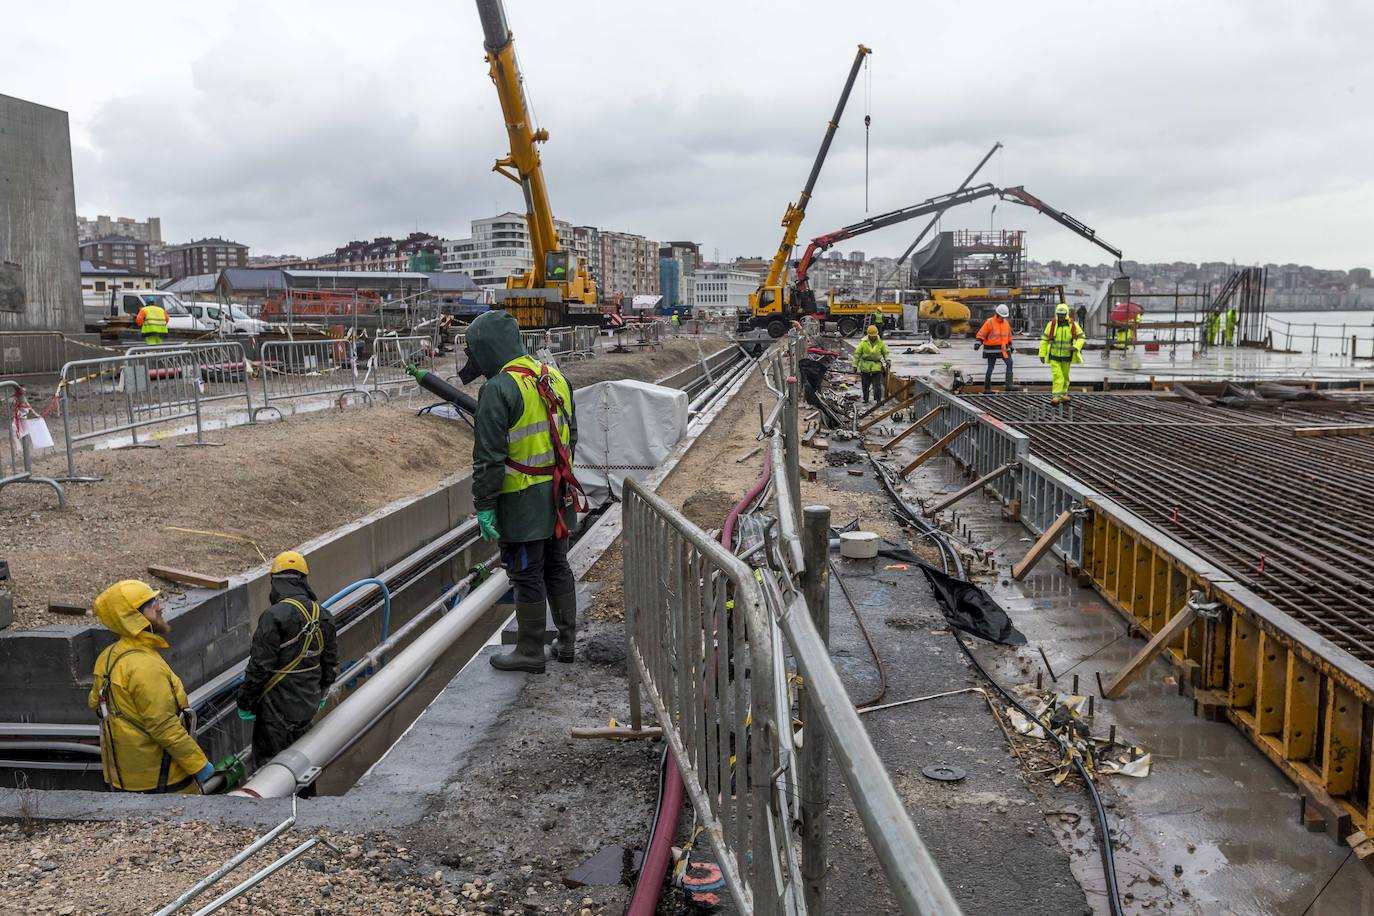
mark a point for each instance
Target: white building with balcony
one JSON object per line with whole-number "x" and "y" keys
{"x": 499, "y": 247}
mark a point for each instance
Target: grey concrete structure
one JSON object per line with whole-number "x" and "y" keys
{"x": 40, "y": 287}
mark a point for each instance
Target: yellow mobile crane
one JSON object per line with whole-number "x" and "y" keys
{"x": 768, "y": 304}
{"x": 558, "y": 290}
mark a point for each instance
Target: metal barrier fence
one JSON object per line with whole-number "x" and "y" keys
{"x": 224, "y": 369}
{"x": 23, "y": 352}
{"x": 391, "y": 355}
{"x": 102, "y": 397}
{"x": 1041, "y": 491}
{"x": 308, "y": 368}
{"x": 707, "y": 637}
{"x": 17, "y": 463}
{"x": 689, "y": 653}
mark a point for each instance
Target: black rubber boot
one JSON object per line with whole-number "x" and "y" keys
{"x": 564, "y": 610}
{"x": 528, "y": 654}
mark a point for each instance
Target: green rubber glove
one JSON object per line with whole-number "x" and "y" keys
{"x": 323, "y": 700}
{"x": 486, "y": 520}
{"x": 246, "y": 716}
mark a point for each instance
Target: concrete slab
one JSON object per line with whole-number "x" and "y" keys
{"x": 987, "y": 831}
{"x": 1215, "y": 827}
{"x": 1136, "y": 367}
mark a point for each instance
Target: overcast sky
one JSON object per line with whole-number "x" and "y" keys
{"x": 1190, "y": 130}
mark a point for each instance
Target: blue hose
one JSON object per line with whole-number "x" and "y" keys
{"x": 386, "y": 600}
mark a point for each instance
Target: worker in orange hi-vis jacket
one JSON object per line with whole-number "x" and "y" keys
{"x": 994, "y": 337}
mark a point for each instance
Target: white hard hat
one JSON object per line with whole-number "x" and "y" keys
{"x": 1003, "y": 310}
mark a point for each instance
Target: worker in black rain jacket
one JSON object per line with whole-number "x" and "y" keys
{"x": 523, "y": 485}
{"x": 293, "y": 661}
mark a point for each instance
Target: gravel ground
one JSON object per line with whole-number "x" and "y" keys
{"x": 534, "y": 802}
{"x": 133, "y": 867}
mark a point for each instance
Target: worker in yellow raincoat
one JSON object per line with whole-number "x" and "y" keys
{"x": 144, "y": 745}
{"x": 1061, "y": 346}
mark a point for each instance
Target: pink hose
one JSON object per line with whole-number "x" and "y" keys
{"x": 645, "y": 899}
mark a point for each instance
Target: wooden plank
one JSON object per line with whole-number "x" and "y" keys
{"x": 891, "y": 443}
{"x": 187, "y": 577}
{"x": 1172, "y": 631}
{"x": 1042, "y": 546}
{"x": 69, "y": 606}
{"x": 938, "y": 447}
{"x": 971, "y": 488}
{"x": 1332, "y": 431}
{"x": 883, "y": 416}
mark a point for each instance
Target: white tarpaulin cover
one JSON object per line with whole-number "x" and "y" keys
{"x": 624, "y": 429}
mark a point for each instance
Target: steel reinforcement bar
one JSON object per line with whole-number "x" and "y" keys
{"x": 1175, "y": 499}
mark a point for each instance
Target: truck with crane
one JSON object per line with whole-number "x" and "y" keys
{"x": 768, "y": 305}
{"x": 558, "y": 289}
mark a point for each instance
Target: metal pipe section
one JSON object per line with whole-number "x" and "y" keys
{"x": 715, "y": 388}
{"x": 375, "y": 654}
{"x": 910, "y": 869}
{"x": 252, "y": 882}
{"x": 247, "y": 853}
{"x": 301, "y": 763}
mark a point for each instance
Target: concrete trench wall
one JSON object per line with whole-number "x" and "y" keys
{"x": 46, "y": 673}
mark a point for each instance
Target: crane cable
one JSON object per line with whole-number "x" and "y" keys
{"x": 868, "y": 119}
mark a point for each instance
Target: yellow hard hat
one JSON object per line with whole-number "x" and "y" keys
{"x": 290, "y": 561}
{"x": 872, "y": 330}
{"x": 1062, "y": 308}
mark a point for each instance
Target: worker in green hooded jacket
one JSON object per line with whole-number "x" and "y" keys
{"x": 523, "y": 486}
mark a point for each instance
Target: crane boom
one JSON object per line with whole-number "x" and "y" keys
{"x": 1025, "y": 198}
{"x": 936, "y": 205}
{"x": 524, "y": 155}
{"x": 934, "y": 219}
{"x": 795, "y": 213}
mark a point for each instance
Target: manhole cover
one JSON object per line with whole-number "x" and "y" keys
{"x": 943, "y": 772}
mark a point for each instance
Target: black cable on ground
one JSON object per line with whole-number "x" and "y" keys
{"x": 949, "y": 553}
{"x": 872, "y": 647}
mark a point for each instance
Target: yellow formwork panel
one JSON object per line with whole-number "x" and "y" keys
{"x": 1313, "y": 720}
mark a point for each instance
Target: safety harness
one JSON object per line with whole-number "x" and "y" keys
{"x": 311, "y": 638}
{"x": 566, "y": 490}
{"x": 106, "y": 711}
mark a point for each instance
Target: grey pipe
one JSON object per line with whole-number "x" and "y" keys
{"x": 300, "y": 763}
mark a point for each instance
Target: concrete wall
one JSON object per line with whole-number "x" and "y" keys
{"x": 40, "y": 283}
{"x": 46, "y": 673}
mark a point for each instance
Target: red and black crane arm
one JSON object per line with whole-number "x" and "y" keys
{"x": 937, "y": 204}
{"x": 1021, "y": 196}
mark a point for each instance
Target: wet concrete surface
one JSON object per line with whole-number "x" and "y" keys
{"x": 1215, "y": 827}
{"x": 1135, "y": 367}
{"x": 986, "y": 831}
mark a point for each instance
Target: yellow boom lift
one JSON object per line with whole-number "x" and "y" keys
{"x": 768, "y": 304}
{"x": 558, "y": 290}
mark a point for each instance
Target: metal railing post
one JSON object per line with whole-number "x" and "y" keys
{"x": 815, "y": 769}
{"x": 792, "y": 442}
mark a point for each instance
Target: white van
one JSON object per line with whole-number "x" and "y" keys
{"x": 230, "y": 318}
{"x": 179, "y": 317}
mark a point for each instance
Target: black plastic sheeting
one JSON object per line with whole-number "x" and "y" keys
{"x": 967, "y": 607}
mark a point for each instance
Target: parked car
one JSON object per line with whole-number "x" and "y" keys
{"x": 228, "y": 317}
